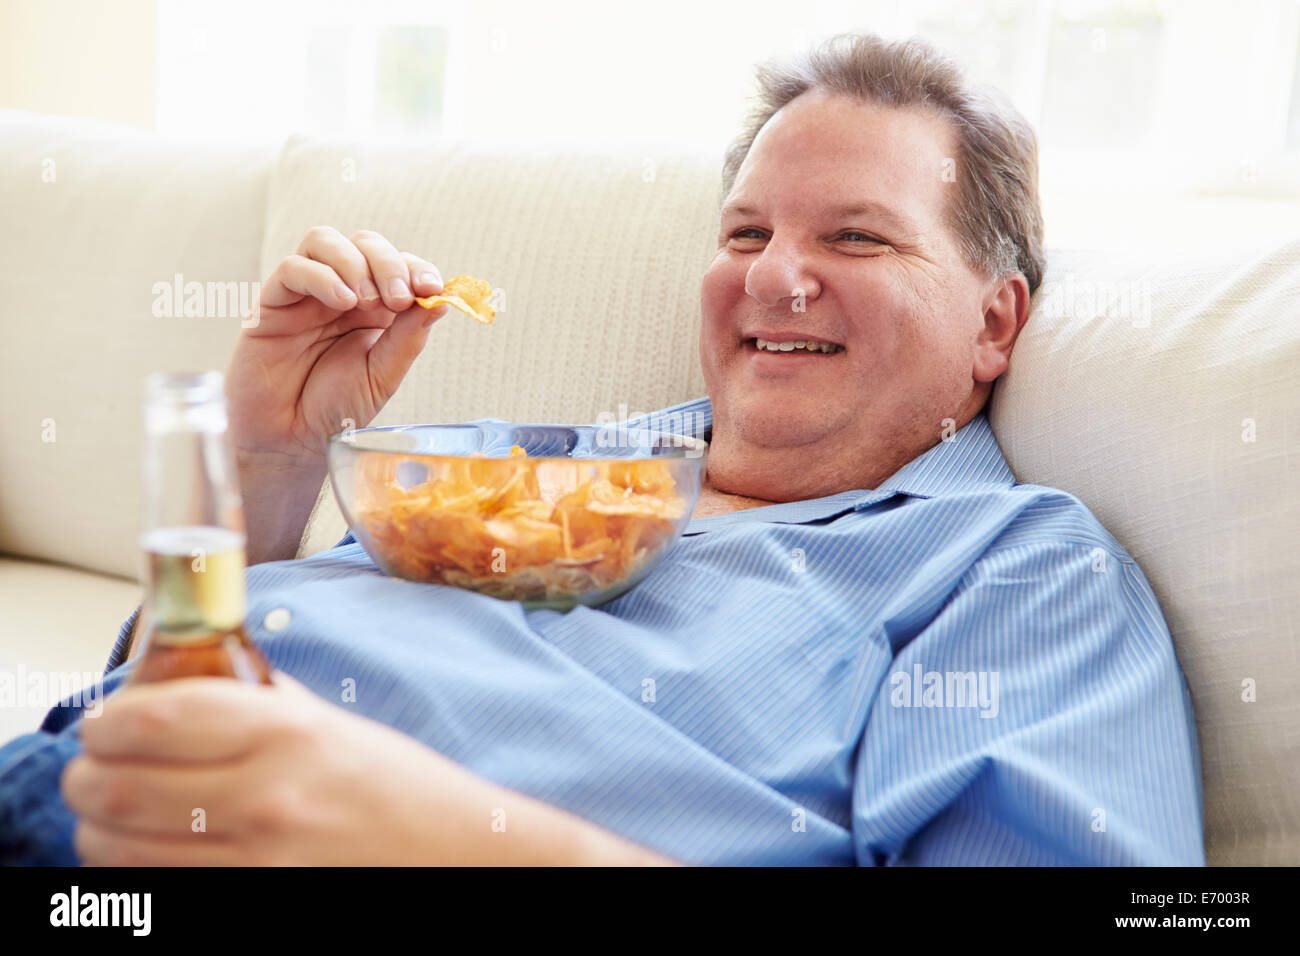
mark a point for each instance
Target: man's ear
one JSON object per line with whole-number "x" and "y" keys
{"x": 1006, "y": 308}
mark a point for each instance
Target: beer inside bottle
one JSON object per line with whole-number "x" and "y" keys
{"x": 193, "y": 538}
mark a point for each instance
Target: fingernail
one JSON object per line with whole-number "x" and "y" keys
{"x": 342, "y": 292}
{"x": 369, "y": 290}
{"x": 429, "y": 278}
{"x": 397, "y": 288}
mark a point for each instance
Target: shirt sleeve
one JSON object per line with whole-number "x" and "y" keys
{"x": 36, "y": 826}
{"x": 117, "y": 655}
{"x": 1040, "y": 718}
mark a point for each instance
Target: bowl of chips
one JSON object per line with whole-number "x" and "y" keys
{"x": 552, "y": 516}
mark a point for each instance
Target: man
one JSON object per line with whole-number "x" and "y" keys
{"x": 870, "y": 646}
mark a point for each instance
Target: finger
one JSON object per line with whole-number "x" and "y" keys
{"x": 297, "y": 277}
{"x": 426, "y": 279}
{"x": 98, "y": 845}
{"x": 162, "y": 800}
{"x": 327, "y": 245}
{"x": 388, "y": 269}
{"x": 290, "y": 685}
{"x": 191, "y": 719}
{"x": 395, "y": 351}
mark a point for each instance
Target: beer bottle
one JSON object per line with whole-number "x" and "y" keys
{"x": 193, "y": 538}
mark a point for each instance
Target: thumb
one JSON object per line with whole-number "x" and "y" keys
{"x": 392, "y": 355}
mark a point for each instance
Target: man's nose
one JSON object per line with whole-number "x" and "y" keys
{"x": 780, "y": 272}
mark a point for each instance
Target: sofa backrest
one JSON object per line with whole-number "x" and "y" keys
{"x": 1165, "y": 394}
{"x": 100, "y": 225}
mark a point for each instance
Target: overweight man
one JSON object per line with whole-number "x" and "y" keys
{"x": 871, "y": 645}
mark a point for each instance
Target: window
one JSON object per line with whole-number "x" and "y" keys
{"x": 249, "y": 70}
{"x": 1141, "y": 106}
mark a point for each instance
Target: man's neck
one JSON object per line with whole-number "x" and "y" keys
{"x": 800, "y": 473}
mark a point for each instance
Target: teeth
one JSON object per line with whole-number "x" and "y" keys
{"x": 800, "y": 344}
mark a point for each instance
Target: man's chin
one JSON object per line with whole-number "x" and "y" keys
{"x": 787, "y": 424}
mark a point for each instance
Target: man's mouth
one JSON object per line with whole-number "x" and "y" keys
{"x": 798, "y": 346}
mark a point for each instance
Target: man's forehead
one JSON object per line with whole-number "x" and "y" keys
{"x": 834, "y": 156}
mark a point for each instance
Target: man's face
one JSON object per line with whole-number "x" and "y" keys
{"x": 834, "y": 232}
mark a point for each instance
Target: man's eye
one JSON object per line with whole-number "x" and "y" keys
{"x": 861, "y": 237}
{"x": 740, "y": 233}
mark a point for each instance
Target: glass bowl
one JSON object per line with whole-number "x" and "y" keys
{"x": 550, "y": 515}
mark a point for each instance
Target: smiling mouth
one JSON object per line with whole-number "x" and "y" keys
{"x": 799, "y": 346}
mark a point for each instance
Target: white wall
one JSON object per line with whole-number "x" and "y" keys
{"x": 79, "y": 58}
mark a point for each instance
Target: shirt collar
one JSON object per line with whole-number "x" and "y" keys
{"x": 969, "y": 459}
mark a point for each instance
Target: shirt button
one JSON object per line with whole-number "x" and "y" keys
{"x": 276, "y": 619}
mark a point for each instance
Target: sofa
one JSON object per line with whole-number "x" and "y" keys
{"x": 1162, "y": 389}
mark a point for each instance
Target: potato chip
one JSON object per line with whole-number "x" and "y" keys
{"x": 466, "y": 293}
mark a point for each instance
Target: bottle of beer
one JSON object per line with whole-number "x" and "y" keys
{"x": 193, "y": 538}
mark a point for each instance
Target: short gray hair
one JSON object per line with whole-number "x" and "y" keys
{"x": 996, "y": 218}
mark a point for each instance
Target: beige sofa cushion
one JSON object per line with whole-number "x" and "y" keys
{"x": 59, "y": 623}
{"x": 96, "y": 215}
{"x": 599, "y": 255}
{"x": 1166, "y": 395}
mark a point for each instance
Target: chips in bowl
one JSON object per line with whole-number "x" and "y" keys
{"x": 550, "y": 531}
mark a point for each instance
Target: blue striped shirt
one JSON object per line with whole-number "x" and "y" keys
{"x": 952, "y": 668}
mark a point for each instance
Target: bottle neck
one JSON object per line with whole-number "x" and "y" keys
{"x": 193, "y": 525}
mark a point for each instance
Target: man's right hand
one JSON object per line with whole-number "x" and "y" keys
{"x": 337, "y": 331}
